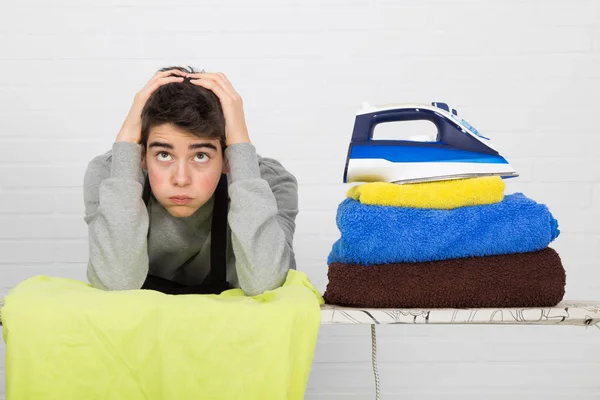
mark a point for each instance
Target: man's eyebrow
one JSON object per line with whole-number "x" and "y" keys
{"x": 191, "y": 146}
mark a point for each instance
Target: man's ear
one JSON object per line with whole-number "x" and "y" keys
{"x": 143, "y": 160}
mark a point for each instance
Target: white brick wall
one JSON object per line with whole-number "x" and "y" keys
{"x": 527, "y": 72}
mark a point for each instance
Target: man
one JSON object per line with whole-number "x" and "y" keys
{"x": 183, "y": 139}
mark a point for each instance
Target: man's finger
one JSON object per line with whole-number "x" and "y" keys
{"x": 164, "y": 74}
{"x": 217, "y": 79}
{"x": 169, "y": 79}
{"x": 222, "y": 85}
{"x": 163, "y": 81}
{"x": 218, "y": 75}
{"x": 224, "y": 77}
{"x": 214, "y": 86}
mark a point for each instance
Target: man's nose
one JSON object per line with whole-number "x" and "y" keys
{"x": 181, "y": 175}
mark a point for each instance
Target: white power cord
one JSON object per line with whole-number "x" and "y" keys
{"x": 374, "y": 360}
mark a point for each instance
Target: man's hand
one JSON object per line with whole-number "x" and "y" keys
{"x": 231, "y": 102}
{"x": 131, "y": 130}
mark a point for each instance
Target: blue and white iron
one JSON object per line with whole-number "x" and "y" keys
{"x": 459, "y": 151}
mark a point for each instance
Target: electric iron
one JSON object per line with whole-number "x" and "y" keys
{"x": 459, "y": 151}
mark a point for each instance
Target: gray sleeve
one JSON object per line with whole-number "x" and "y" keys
{"x": 263, "y": 209}
{"x": 117, "y": 219}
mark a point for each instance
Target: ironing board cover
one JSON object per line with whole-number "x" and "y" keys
{"x": 564, "y": 313}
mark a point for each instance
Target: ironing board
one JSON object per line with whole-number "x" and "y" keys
{"x": 578, "y": 313}
{"x": 584, "y": 313}
{"x": 575, "y": 313}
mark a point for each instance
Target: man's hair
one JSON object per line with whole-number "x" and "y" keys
{"x": 191, "y": 108}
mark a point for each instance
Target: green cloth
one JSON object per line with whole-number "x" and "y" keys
{"x": 67, "y": 340}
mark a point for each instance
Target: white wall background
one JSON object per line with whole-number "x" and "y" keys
{"x": 525, "y": 72}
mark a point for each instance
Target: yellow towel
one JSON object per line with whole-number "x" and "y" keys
{"x": 67, "y": 340}
{"x": 437, "y": 195}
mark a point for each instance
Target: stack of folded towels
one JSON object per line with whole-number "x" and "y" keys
{"x": 457, "y": 244}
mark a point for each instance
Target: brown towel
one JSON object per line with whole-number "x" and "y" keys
{"x": 535, "y": 279}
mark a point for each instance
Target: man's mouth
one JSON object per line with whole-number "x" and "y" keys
{"x": 180, "y": 199}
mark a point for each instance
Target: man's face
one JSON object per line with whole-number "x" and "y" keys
{"x": 182, "y": 165}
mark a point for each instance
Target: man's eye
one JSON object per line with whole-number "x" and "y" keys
{"x": 162, "y": 155}
{"x": 202, "y": 157}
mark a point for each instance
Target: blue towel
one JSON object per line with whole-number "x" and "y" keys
{"x": 372, "y": 234}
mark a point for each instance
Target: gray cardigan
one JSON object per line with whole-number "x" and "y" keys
{"x": 128, "y": 240}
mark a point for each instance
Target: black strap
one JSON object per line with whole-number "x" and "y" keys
{"x": 218, "y": 233}
{"x": 146, "y": 191}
